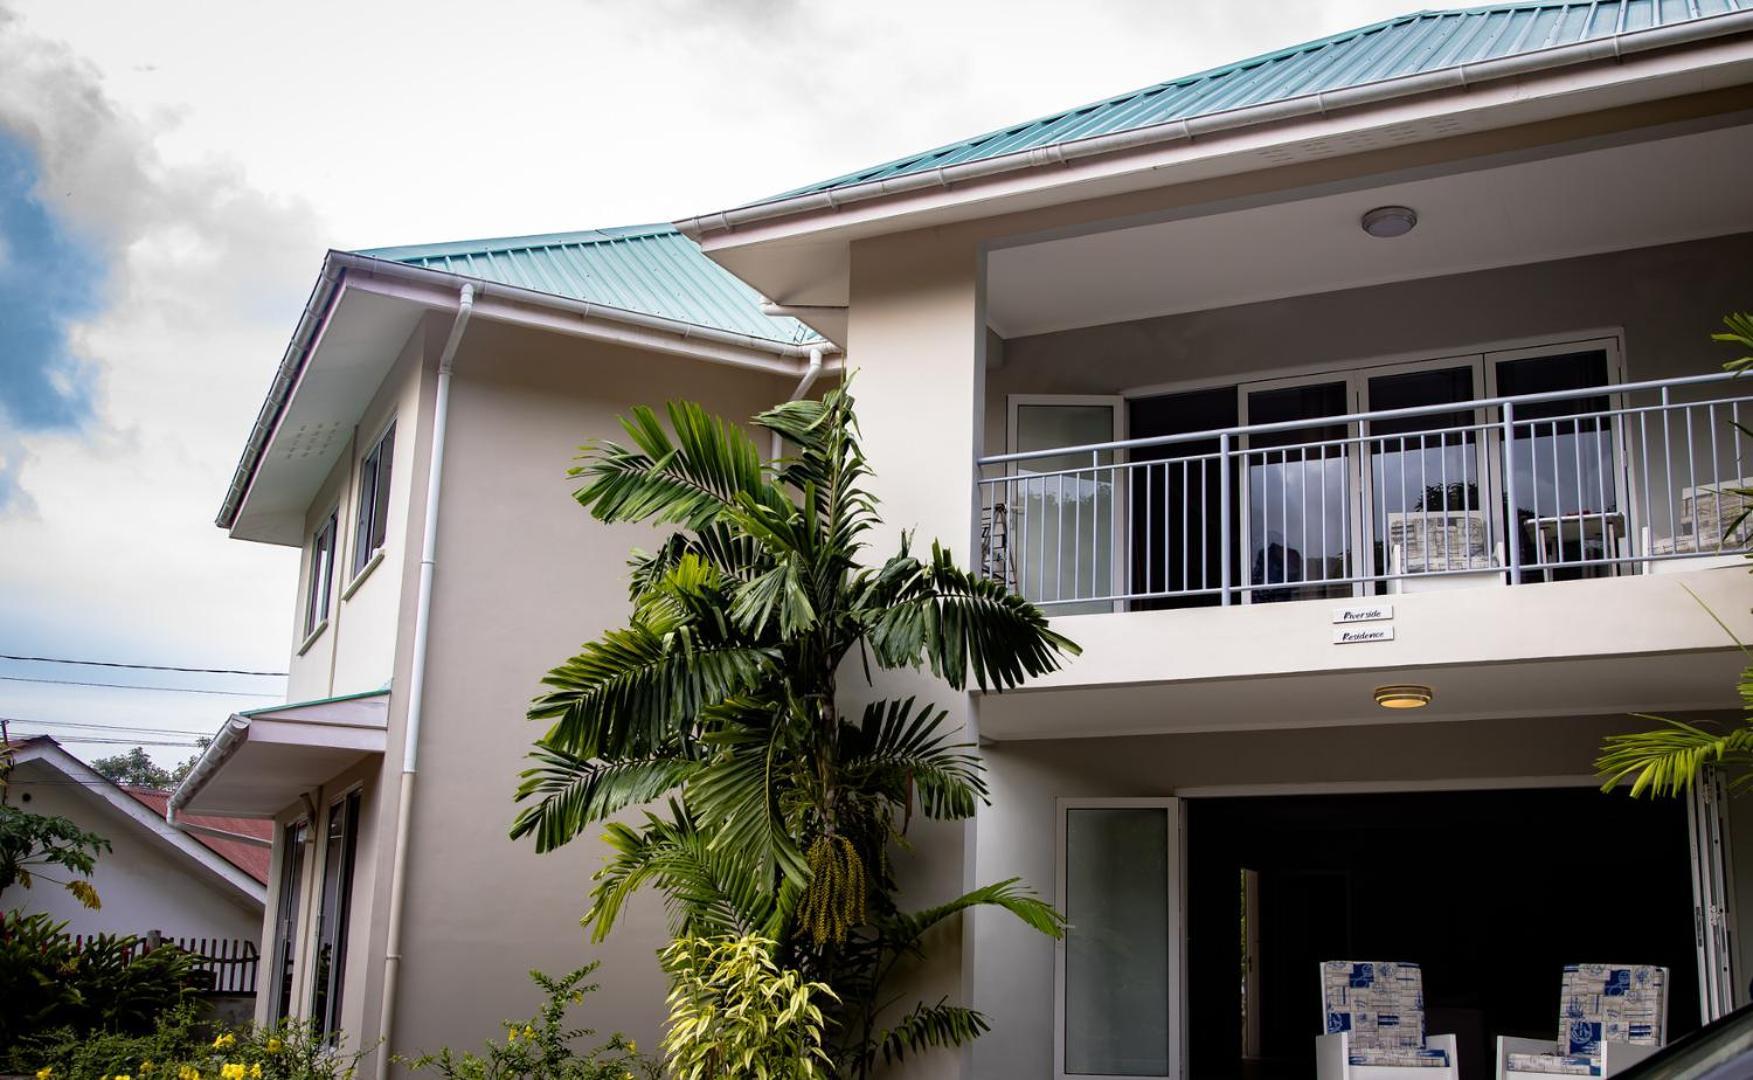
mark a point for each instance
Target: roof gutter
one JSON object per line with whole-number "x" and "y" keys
{"x": 1612, "y": 47}
{"x": 483, "y": 288}
{"x": 218, "y": 752}
{"x": 691, "y": 341}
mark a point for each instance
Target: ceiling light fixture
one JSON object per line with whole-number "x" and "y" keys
{"x": 1388, "y": 221}
{"x": 1403, "y": 697}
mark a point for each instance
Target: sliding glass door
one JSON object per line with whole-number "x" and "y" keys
{"x": 1429, "y": 487}
{"x": 1569, "y": 496}
{"x": 1300, "y": 521}
{"x": 1063, "y": 512}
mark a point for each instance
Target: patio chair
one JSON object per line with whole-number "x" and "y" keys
{"x": 1610, "y": 1016}
{"x": 1374, "y": 1019}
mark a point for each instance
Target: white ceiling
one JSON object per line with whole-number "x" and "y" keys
{"x": 359, "y": 344}
{"x": 1601, "y": 686}
{"x": 1680, "y": 188}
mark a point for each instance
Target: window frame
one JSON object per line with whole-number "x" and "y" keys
{"x": 327, "y": 1022}
{"x": 1176, "y": 888}
{"x": 371, "y": 503}
{"x": 319, "y": 588}
{"x": 286, "y": 961}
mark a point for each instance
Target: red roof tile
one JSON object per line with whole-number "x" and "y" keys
{"x": 252, "y": 859}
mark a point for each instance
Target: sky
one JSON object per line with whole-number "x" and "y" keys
{"x": 172, "y": 172}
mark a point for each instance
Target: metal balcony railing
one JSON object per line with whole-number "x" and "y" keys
{"x": 1604, "y": 480}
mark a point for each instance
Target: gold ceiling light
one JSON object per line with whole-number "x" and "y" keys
{"x": 1404, "y": 697}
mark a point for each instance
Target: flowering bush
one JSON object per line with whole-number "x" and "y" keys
{"x": 183, "y": 1047}
{"x": 541, "y": 1047}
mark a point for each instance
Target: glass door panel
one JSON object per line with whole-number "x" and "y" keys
{"x": 1120, "y": 966}
{"x": 1176, "y": 493}
{"x": 1427, "y": 477}
{"x": 1062, "y": 517}
{"x": 1567, "y": 496}
{"x": 297, "y": 845}
{"x": 1299, "y": 519}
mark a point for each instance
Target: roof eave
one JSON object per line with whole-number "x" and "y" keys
{"x": 337, "y": 265}
{"x": 1306, "y": 107}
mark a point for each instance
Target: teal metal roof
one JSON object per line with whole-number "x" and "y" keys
{"x": 1407, "y": 45}
{"x": 652, "y": 269}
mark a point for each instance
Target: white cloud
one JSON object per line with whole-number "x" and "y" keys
{"x": 115, "y": 554}
{"x": 216, "y": 149}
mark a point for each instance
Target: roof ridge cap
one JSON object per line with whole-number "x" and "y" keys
{"x": 604, "y": 235}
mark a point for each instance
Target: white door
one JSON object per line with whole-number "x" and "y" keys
{"x": 1119, "y": 1006}
{"x": 1713, "y": 900}
{"x": 1065, "y": 510}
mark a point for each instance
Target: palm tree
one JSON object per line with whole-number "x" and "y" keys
{"x": 722, "y": 694}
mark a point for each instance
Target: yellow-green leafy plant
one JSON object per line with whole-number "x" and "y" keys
{"x": 734, "y": 1012}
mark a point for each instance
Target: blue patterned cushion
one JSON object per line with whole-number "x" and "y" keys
{"x": 1563, "y": 1064}
{"x": 1620, "y": 1003}
{"x": 1403, "y": 1058}
{"x": 1382, "y": 1005}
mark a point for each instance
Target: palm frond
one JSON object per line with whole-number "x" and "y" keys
{"x": 708, "y": 889}
{"x": 630, "y": 691}
{"x": 1667, "y": 761}
{"x": 901, "y": 752}
{"x": 574, "y": 793}
{"x": 903, "y": 930}
{"x": 931, "y": 1026}
{"x": 689, "y": 480}
{"x": 737, "y": 795}
{"x": 962, "y": 624}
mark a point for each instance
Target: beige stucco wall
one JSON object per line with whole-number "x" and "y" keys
{"x": 354, "y": 652}
{"x": 916, "y": 342}
{"x": 144, "y": 885}
{"x": 524, "y": 575}
{"x": 358, "y": 1015}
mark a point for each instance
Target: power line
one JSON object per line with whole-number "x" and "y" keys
{"x": 98, "y": 726}
{"x": 105, "y": 740}
{"x": 144, "y": 667}
{"x": 136, "y": 686}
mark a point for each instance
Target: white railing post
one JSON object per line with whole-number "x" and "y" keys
{"x": 1223, "y": 515}
{"x": 1512, "y": 527}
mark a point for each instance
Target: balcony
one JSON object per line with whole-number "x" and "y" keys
{"x": 1314, "y": 502}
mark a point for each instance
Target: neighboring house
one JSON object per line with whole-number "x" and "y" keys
{"x": 201, "y": 880}
{"x": 1369, "y": 373}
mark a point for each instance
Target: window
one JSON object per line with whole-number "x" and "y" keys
{"x": 296, "y": 838}
{"x": 322, "y": 574}
{"x": 372, "y": 521}
{"x": 334, "y": 907}
{"x": 1119, "y": 966}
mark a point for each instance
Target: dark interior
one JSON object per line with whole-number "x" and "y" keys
{"x": 1492, "y": 892}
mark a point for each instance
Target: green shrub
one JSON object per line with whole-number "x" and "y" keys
{"x": 542, "y": 1047}
{"x": 183, "y": 1046}
{"x": 103, "y": 986}
{"x": 734, "y": 1012}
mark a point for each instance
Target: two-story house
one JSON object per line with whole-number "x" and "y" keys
{"x": 1353, "y": 406}
{"x": 415, "y": 444}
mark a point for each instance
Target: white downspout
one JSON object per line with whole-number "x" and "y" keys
{"x": 810, "y": 375}
{"x": 392, "y": 961}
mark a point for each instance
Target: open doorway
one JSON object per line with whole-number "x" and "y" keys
{"x": 1491, "y": 891}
